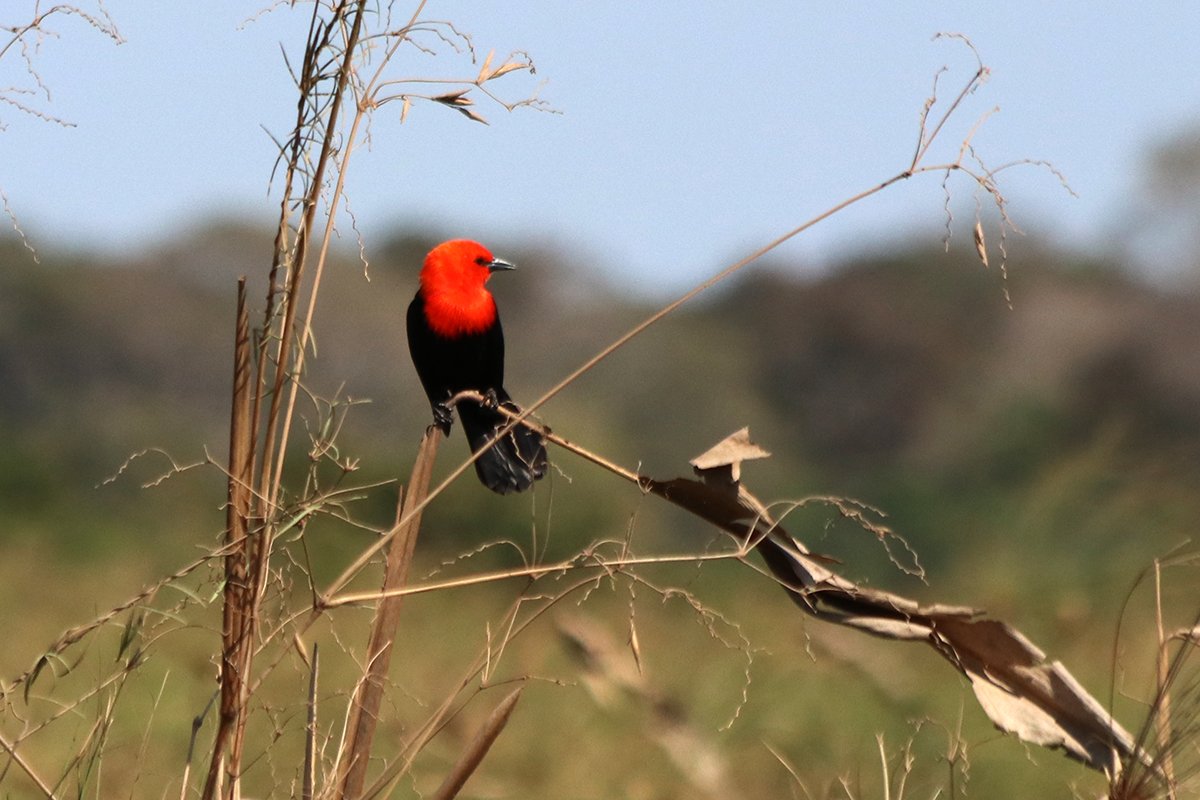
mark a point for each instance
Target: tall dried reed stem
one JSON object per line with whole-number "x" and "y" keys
{"x": 248, "y": 567}
{"x": 236, "y": 623}
{"x": 364, "y": 713}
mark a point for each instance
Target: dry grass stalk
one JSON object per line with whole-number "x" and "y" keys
{"x": 247, "y": 567}
{"x": 347, "y": 15}
{"x": 237, "y": 621}
{"x": 1162, "y": 726}
{"x": 473, "y": 756}
{"x": 1170, "y": 731}
{"x": 310, "y": 738}
{"x": 27, "y": 768}
{"x": 364, "y": 712}
{"x": 513, "y": 623}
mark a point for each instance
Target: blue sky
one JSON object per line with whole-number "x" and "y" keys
{"x": 689, "y": 133}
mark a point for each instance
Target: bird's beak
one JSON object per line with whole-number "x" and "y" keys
{"x": 499, "y": 264}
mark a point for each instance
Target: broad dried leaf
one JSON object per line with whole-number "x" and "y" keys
{"x": 1026, "y": 695}
{"x": 732, "y": 449}
{"x": 1021, "y": 692}
{"x": 504, "y": 69}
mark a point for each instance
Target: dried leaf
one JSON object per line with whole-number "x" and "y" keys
{"x": 453, "y": 99}
{"x": 404, "y": 108}
{"x": 469, "y": 114}
{"x": 725, "y": 458}
{"x": 1026, "y": 695}
{"x": 733, "y": 448}
{"x": 1021, "y": 692}
{"x": 459, "y": 102}
{"x": 483, "y": 72}
{"x": 511, "y": 66}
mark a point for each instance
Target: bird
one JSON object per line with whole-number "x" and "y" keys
{"x": 457, "y": 344}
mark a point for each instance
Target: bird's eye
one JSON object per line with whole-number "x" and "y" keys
{"x": 481, "y": 261}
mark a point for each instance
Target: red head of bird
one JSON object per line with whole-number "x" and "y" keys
{"x": 452, "y": 285}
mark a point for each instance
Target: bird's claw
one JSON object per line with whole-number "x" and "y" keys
{"x": 443, "y": 417}
{"x": 490, "y": 400}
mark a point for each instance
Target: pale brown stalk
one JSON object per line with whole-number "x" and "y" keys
{"x": 27, "y": 768}
{"x": 473, "y": 756}
{"x": 246, "y": 592}
{"x": 310, "y": 731}
{"x": 236, "y": 621}
{"x": 363, "y": 107}
{"x": 1162, "y": 716}
{"x": 364, "y": 713}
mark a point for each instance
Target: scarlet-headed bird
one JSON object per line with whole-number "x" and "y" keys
{"x": 456, "y": 343}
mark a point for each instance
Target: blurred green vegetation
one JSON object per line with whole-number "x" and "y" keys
{"x": 1036, "y": 458}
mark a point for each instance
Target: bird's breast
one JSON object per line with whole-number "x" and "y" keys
{"x": 453, "y": 315}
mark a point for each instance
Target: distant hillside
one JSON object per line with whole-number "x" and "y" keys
{"x": 905, "y": 381}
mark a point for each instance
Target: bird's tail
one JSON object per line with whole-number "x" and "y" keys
{"x": 515, "y": 461}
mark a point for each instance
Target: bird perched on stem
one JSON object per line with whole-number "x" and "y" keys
{"x": 456, "y": 344}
